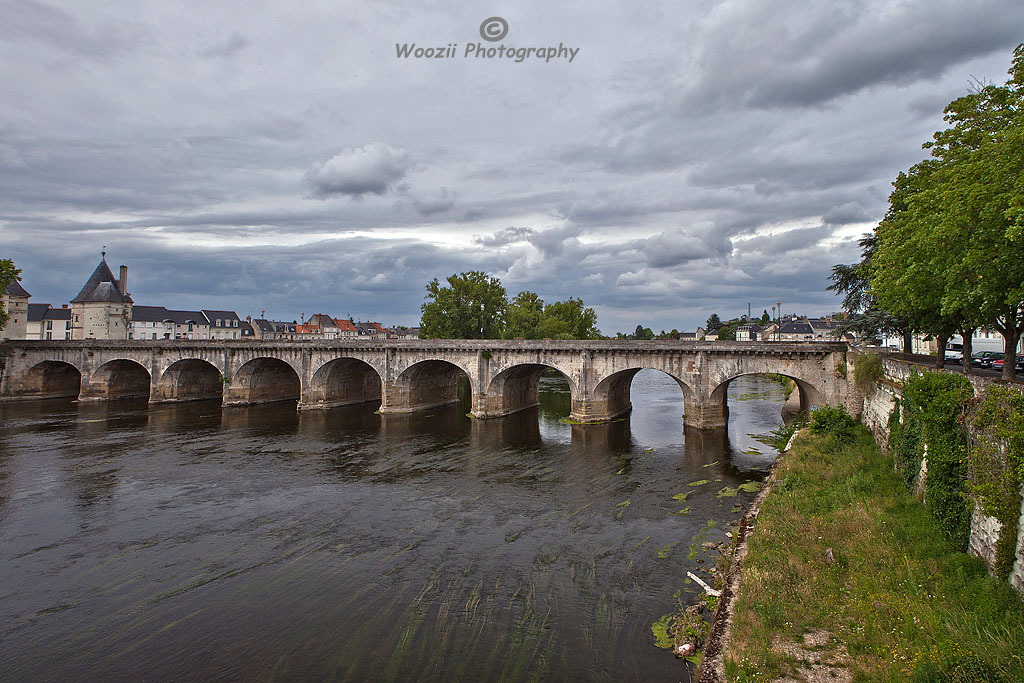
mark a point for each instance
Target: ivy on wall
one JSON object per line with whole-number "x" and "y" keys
{"x": 996, "y": 465}
{"x": 933, "y": 409}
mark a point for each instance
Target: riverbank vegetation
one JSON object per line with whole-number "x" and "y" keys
{"x": 946, "y": 257}
{"x": 849, "y": 575}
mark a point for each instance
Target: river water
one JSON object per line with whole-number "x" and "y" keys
{"x": 191, "y": 542}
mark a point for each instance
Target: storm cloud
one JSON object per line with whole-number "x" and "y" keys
{"x": 692, "y": 159}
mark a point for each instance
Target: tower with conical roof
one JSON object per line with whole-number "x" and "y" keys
{"x": 14, "y": 300}
{"x": 103, "y": 309}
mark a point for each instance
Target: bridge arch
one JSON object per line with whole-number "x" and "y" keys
{"x": 121, "y": 378}
{"x": 515, "y": 389}
{"x": 263, "y": 380}
{"x": 610, "y": 398}
{"x": 341, "y": 382}
{"x": 425, "y": 384}
{"x": 808, "y": 393}
{"x": 189, "y": 379}
{"x": 52, "y": 379}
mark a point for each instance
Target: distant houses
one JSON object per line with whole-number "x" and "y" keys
{"x": 103, "y": 309}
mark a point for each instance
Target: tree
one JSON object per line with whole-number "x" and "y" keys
{"x": 866, "y": 318}
{"x": 951, "y": 246}
{"x": 523, "y": 316}
{"x": 568, "y": 319}
{"x": 643, "y": 333}
{"x": 8, "y": 274}
{"x": 674, "y": 334}
{"x": 713, "y": 323}
{"x": 765, "y": 318}
{"x": 904, "y": 267}
{"x": 978, "y": 205}
{"x": 471, "y": 302}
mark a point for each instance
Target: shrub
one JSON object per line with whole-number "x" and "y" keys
{"x": 833, "y": 421}
{"x": 867, "y": 370}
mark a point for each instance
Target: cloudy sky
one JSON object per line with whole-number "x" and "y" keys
{"x": 693, "y": 157}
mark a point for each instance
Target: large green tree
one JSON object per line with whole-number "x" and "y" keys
{"x": 982, "y": 162}
{"x": 904, "y": 267}
{"x": 471, "y": 306}
{"x": 951, "y": 247}
{"x": 523, "y": 316}
{"x": 568, "y": 319}
{"x": 8, "y": 274}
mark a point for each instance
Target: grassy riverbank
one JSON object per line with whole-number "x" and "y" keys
{"x": 849, "y": 576}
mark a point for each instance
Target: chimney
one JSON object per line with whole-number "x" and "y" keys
{"x": 63, "y": 305}
{"x": 122, "y": 284}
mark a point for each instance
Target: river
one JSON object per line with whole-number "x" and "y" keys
{"x": 191, "y": 542}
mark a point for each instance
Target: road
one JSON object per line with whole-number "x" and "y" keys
{"x": 929, "y": 361}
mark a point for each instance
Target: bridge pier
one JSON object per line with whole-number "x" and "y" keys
{"x": 710, "y": 414}
{"x": 590, "y": 411}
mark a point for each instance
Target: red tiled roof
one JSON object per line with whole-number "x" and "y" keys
{"x": 345, "y": 325}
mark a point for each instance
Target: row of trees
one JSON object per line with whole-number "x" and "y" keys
{"x": 948, "y": 257}
{"x": 474, "y": 305}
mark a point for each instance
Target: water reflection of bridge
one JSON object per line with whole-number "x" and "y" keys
{"x": 410, "y": 376}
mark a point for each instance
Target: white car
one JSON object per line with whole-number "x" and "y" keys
{"x": 954, "y": 356}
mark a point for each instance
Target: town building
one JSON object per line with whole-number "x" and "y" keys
{"x": 749, "y": 332}
{"x": 275, "y": 330}
{"x": 371, "y": 330}
{"x": 103, "y": 309}
{"x": 47, "y": 322}
{"x": 157, "y": 322}
{"x": 224, "y": 324}
{"x": 346, "y": 329}
{"x": 14, "y": 300}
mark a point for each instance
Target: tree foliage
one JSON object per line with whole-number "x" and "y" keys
{"x": 947, "y": 256}
{"x": 8, "y": 274}
{"x": 713, "y": 323}
{"x": 523, "y": 316}
{"x": 473, "y": 301}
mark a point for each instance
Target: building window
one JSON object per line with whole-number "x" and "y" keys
{"x": 49, "y": 335}
{"x": 49, "y": 325}
{"x": 218, "y": 322}
{"x": 236, "y": 323}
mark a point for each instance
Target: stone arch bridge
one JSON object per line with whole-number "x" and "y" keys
{"x": 407, "y": 376}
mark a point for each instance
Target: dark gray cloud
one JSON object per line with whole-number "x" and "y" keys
{"x": 768, "y": 55}
{"x": 688, "y": 162}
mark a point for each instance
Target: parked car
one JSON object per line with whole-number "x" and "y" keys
{"x": 997, "y": 364}
{"x": 983, "y": 359}
{"x": 954, "y": 356}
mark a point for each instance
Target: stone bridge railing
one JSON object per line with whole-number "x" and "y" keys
{"x": 414, "y": 375}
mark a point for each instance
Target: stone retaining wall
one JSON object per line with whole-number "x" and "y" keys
{"x": 879, "y": 403}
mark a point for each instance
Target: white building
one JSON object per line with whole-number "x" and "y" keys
{"x": 47, "y": 322}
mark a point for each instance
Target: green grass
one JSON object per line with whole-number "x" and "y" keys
{"x": 903, "y": 604}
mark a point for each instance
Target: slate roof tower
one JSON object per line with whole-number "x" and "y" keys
{"x": 103, "y": 308}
